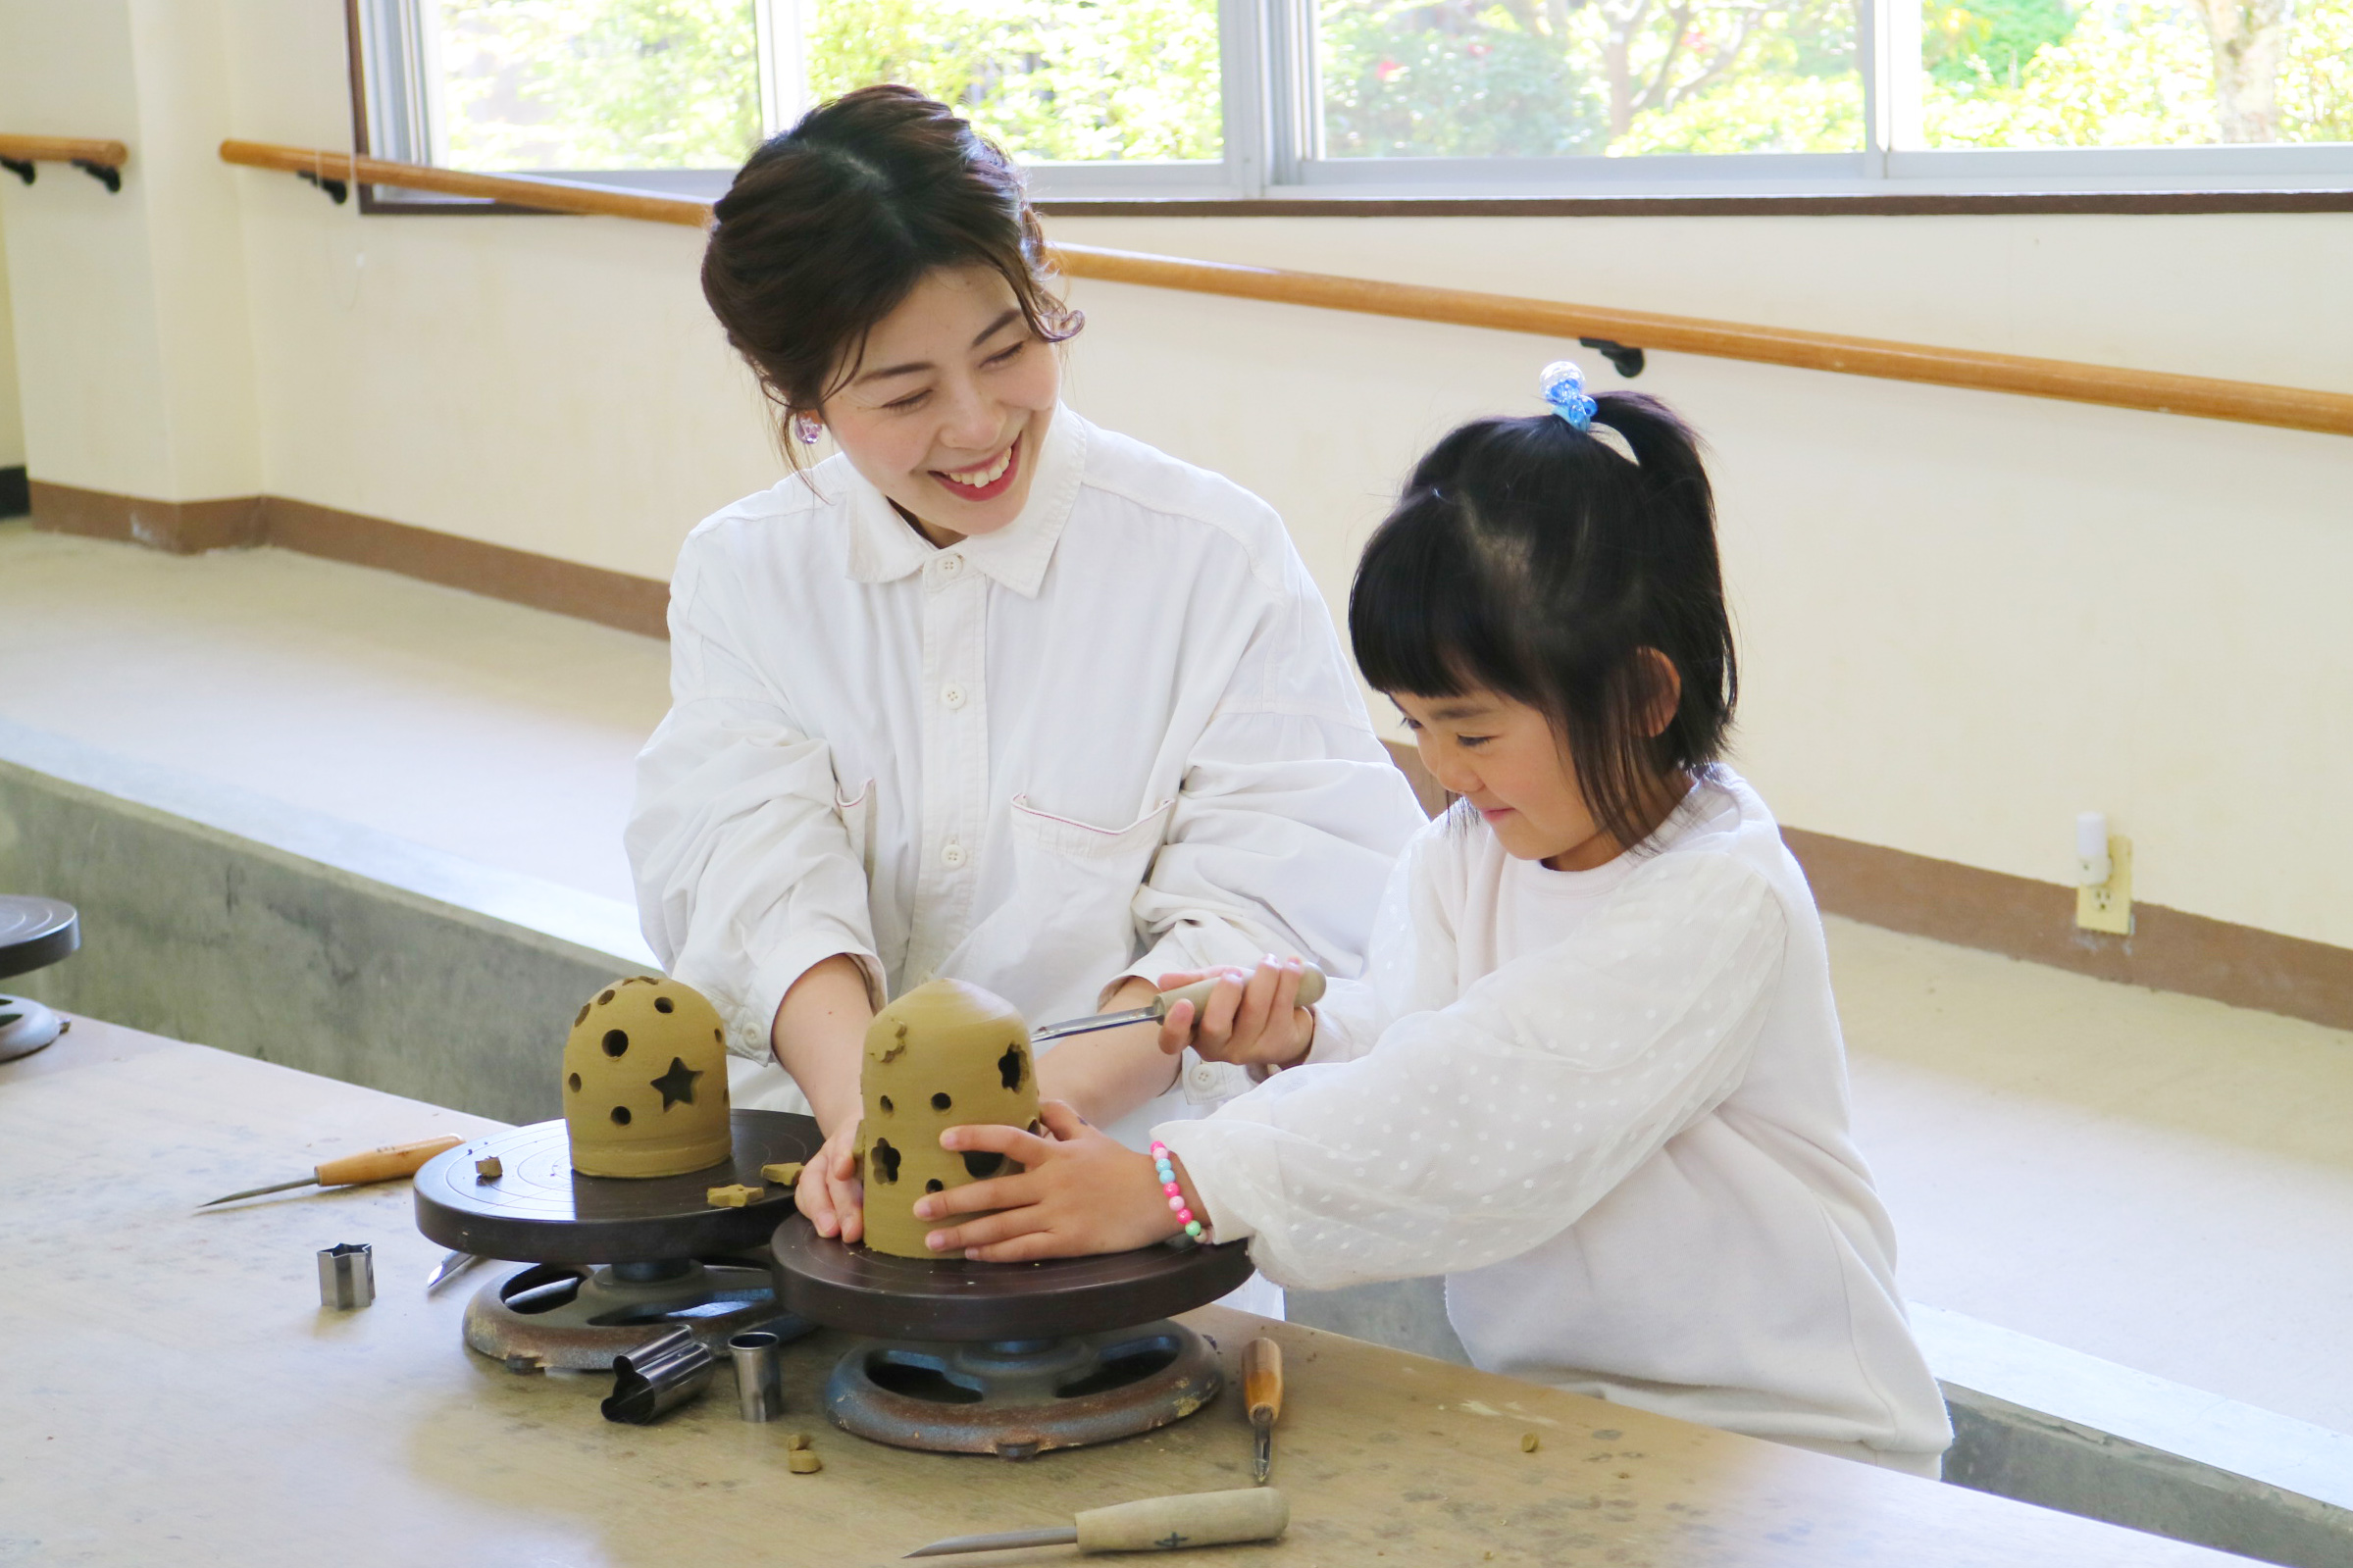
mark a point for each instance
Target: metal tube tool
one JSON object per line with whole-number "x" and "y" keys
{"x": 1311, "y": 992}
{"x": 1262, "y": 1396}
{"x": 1155, "y": 1524}
{"x": 385, "y": 1164}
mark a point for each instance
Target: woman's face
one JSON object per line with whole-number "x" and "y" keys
{"x": 944, "y": 411}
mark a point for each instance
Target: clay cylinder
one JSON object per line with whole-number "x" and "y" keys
{"x": 645, "y": 1081}
{"x": 946, "y": 1054}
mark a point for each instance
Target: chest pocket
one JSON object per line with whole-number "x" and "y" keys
{"x": 1067, "y": 925}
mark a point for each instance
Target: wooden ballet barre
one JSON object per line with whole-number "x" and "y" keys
{"x": 101, "y": 160}
{"x": 1614, "y": 333}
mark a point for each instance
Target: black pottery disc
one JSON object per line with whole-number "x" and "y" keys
{"x": 35, "y": 933}
{"x": 540, "y": 1210}
{"x": 888, "y": 1297}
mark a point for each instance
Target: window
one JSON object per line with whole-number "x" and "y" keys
{"x": 1244, "y": 98}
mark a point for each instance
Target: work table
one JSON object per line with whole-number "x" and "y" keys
{"x": 177, "y": 1397}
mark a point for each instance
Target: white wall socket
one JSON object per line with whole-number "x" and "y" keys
{"x": 2108, "y": 906}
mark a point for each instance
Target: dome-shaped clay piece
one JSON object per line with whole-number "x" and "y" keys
{"x": 645, "y": 1081}
{"x": 946, "y": 1054}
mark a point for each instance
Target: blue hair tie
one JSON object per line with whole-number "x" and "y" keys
{"x": 1562, "y": 386}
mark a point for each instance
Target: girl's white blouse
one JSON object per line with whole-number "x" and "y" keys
{"x": 1611, "y": 1106}
{"x": 1115, "y": 737}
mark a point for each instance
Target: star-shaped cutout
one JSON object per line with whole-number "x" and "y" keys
{"x": 678, "y": 1084}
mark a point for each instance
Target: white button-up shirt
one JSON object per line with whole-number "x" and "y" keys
{"x": 1115, "y": 737}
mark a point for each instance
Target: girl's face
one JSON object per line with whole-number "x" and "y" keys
{"x": 1503, "y": 758}
{"x": 944, "y": 411}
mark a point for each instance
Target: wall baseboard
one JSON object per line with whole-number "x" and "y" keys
{"x": 519, "y": 577}
{"x": 2169, "y": 949}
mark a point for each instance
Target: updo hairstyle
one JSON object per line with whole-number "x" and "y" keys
{"x": 830, "y": 224}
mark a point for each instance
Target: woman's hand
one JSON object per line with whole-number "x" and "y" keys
{"x": 1252, "y": 1018}
{"x": 830, "y": 1192}
{"x": 1082, "y": 1191}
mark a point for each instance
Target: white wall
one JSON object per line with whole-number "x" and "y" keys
{"x": 1965, "y": 616}
{"x": 12, "y": 408}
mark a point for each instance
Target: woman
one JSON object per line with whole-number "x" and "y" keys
{"x": 992, "y": 694}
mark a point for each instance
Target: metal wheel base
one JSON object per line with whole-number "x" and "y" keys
{"x": 1020, "y": 1398}
{"x": 26, "y": 1026}
{"x": 578, "y": 1316}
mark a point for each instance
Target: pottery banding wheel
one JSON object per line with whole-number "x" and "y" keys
{"x": 616, "y": 1261}
{"x": 1008, "y": 1359}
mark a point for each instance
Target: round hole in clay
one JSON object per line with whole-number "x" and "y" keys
{"x": 574, "y": 1083}
{"x": 661, "y": 1004}
{"x": 619, "y": 1116}
{"x": 615, "y": 1041}
{"x": 983, "y": 1164}
{"x": 935, "y": 1185}
{"x": 606, "y": 998}
{"x": 940, "y": 1103}
{"x": 580, "y": 1015}
{"x": 886, "y": 1107}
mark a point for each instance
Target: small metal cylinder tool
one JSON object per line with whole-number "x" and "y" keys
{"x": 657, "y": 1376}
{"x": 759, "y": 1395}
{"x": 347, "y": 1276}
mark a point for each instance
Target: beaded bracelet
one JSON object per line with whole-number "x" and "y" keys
{"x": 1176, "y": 1194}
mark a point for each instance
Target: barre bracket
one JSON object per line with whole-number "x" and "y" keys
{"x": 1627, "y": 362}
{"x": 22, "y": 167}
{"x": 106, "y": 175}
{"x": 337, "y": 190}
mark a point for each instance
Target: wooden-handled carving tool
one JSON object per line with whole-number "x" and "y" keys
{"x": 1155, "y": 1524}
{"x": 1311, "y": 992}
{"x": 354, "y": 1170}
{"x": 1262, "y": 1396}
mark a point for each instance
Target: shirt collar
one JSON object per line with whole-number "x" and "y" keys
{"x": 885, "y": 547}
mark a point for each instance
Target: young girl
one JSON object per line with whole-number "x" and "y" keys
{"x": 1595, "y": 1074}
{"x": 993, "y": 693}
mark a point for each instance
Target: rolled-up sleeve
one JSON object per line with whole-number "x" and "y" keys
{"x": 746, "y": 876}
{"x": 1290, "y": 815}
{"x": 1475, "y": 1131}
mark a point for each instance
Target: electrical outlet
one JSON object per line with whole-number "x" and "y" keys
{"x": 2108, "y": 908}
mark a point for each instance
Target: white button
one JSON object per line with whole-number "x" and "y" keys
{"x": 951, "y": 565}
{"x": 952, "y": 694}
{"x": 953, "y": 854}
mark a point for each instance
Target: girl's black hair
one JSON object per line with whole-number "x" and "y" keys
{"x": 1532, "y": 559}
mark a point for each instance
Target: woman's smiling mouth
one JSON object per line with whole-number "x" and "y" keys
{"x": 986, "y": 482}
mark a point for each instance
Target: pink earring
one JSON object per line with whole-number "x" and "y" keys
{"x": 809, "y": 428}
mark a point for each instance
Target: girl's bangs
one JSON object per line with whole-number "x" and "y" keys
{"x": 1422, "y": 621}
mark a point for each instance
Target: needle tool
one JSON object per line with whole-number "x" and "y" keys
{"x": 1155, "y": 1524}
{"x": 354, "y": 1170}
{"x": 1311, "y": 992}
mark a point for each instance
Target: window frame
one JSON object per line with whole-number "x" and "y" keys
{"x": 1271, "y": 122}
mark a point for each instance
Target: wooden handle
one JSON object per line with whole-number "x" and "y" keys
{"x": 1202, "y": 1519}
{"x": 383, "y": 1164}
{"x": 1311, "y": 992}
{"x": 1263, "y": 1380}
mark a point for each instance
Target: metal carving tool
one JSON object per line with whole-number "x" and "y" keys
{"x": 450, "y": 1268}
{"x": 1311, "y": 992}
{"x": 354, "y": 1170}
{"x": 1262, "y": 1396}
{"x": 1155, "y": 1524}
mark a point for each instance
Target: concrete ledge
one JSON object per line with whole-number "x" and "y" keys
{"x": 2046, "y": 1424}
{"x": 215, "y": 915}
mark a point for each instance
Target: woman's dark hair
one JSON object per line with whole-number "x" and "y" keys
{"x": 830, "y": 224}
{"x": 1532, "y": 559}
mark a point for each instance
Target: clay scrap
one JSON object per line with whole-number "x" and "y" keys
{"x": 732, "y": 1198}
{"x": 784, "y": 1173}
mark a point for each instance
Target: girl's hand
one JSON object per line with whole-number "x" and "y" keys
{"x": 1253, "y": 1019}
{"x": 1082, "y": 1192}
{"x": 830, "y": 1192}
